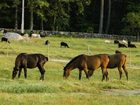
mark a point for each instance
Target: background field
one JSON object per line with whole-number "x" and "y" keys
{"x": 56, "y": 91}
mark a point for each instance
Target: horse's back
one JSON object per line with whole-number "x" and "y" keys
{"x": 97, "y": 61}
{"x": 30, "y": 60}
{"x": 34, "y": 60}
{"x": 116, "y": 60}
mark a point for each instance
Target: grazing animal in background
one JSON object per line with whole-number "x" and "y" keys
{"x": 124, "y": 41}
{"x": 116, "y": 41}
{"x": 130, "y": 45}
{"x": 116, "y": 60}
{"x": 3, "y": 39}
{"x": 30, "y": 34}
{"x": 47, "y": 42}
{"x": 88, "y": 64}
{"x": 25, "y": 61}
{"x": 107, "y": 41}
{"x": 64, "y": 44}
{"x": 121, "y": 45}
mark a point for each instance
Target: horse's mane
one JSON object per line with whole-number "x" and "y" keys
{"x": 73, "y": 60}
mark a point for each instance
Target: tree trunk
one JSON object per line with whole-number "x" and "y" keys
{"x": 54, "y": 20}
{"x": 42, "y": 27}
{"x": 108, "y": 18}
{"x": 16, "y": 18}
{"x": 31, "y": 19}
{"x": 101, "y": 17}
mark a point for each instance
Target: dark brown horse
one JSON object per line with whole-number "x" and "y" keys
{"x": 88, "y": 63}
{"x": 117, "y": 60}
{"x": 25, "y": 61}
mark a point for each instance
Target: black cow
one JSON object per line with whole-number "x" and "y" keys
{"x": 3, "y": 39}
{"x": 64, "y": 44}
{"x": 116, "y": 41}
{"x": 130, "y": 45}
{"x": 121, "y": 45}
{"x": 47, "y": 42}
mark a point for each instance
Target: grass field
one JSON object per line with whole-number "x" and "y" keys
{"x": 56, "y": 91}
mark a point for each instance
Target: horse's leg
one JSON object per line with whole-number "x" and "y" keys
{"x": 104, "y": 73}
{"x": 80, "y": 74}
{"x": 19, "y": 73}
{"x": 42, "y": 74}
{"x": 103, "y": 77}
{"x": 85, "y": 68}
{"x": 125, "y": 70}
{"x": 42, "y": 71}
{"x": 120, "y": 72}
{"x": 25, "y": 72}
{"x": 107, "y": 78}
{"x": 86, "y": 72}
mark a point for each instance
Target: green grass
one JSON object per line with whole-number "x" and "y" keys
{"x": 54, "y": 90}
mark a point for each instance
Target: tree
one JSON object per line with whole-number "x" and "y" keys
{"x": 101, "y": 17}
{"x": 37, "y": 7}
{"x": 58, "y": 14}
{"x": 108, "y": 17}
{"x": 15, "y": 5}
{"x": 132, "y": 19}
{"x": 132, "y": 22}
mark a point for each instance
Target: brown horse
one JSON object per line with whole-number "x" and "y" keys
{"x": 25, "y": 61}
{"x": 88, "y": 63}
{"x": 116, "y": 60}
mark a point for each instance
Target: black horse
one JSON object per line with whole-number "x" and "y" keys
{"x": 25, "y": 61}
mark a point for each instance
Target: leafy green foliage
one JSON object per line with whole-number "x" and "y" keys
{"x": 132, "y": 22}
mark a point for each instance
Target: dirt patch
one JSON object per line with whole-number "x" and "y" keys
{"x": 121, "y": 92}
{"x": 59, "y": 60}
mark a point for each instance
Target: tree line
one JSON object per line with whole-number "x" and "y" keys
{"x": 98, "y": 16}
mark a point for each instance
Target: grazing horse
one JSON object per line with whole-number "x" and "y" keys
{"x": 116, "y": 60}
{"x": 25, "y": 61}
{"x": 64, "y": 44}
{"x": 88, "y": 63}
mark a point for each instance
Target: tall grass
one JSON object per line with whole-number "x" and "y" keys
{"x": 55, "y": 90}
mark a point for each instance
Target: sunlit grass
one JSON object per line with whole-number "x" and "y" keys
{"x": 54, "y": 90}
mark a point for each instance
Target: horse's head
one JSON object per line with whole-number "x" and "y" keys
{"x": 15, "y": 70}
{"x": 66, "y": 72}
{"x": 90, "y": 73}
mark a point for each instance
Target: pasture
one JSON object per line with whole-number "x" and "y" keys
{"x": 54, "y": 90}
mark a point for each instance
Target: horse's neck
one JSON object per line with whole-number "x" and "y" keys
{"x": 72, "y": 65}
